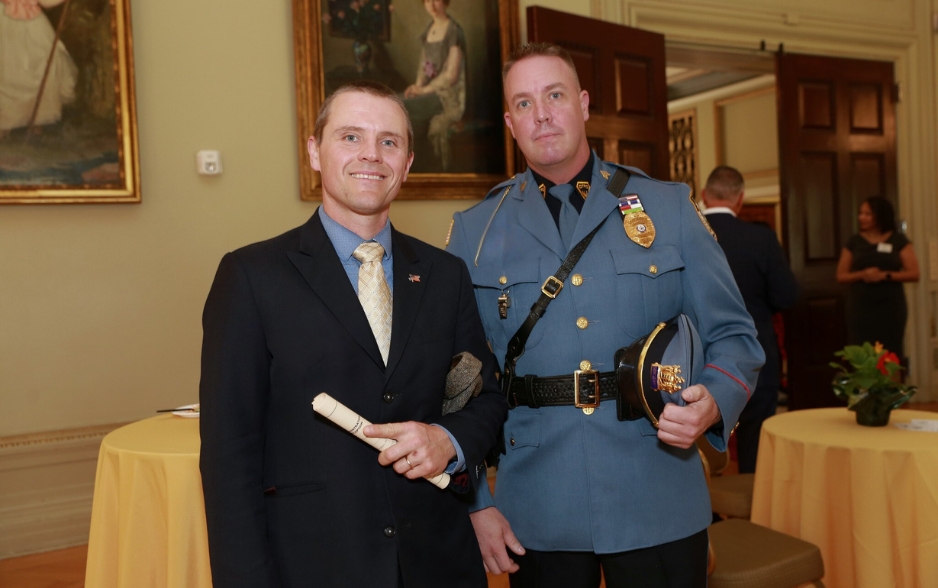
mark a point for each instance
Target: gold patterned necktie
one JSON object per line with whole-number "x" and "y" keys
{"x": 374, "y": 294}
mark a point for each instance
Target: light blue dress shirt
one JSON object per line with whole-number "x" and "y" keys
{"x": 345, "y": 242}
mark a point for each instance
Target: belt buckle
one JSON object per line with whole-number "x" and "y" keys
{"x": 551, "y": 287}
{"x": 591, "y": 402}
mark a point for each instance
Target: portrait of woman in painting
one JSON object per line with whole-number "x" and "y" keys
{"x": 443, "y": 58}
{"x": 58, "y": 113}
{"x": 35, "y": 68}
{"x": 437, "y": 98}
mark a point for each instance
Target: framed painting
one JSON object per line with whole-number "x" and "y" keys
{"x": 449, "y": 78}
{"x": 68, "y": 125}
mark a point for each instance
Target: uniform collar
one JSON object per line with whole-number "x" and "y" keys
{"x": 584, "y": 175}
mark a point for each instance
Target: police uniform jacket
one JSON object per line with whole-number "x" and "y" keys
{"x": 571, "y": 481}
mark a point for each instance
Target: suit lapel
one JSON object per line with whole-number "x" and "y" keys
{"x": 319, "y": 265}
{"x": 411, "y": 276}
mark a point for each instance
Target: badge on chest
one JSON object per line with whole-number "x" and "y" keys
{"x": 635, "y": 221}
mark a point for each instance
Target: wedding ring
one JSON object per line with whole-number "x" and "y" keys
{"x": 408, "y": 462}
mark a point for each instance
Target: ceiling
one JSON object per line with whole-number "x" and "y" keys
{"x": 694, "y": 70}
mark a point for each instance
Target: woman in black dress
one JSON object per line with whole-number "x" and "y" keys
{"x": 875, "y": 262}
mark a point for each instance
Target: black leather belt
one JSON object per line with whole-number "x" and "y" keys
{"x": 583, "y": 389}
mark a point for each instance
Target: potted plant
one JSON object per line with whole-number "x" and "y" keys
{"x": 869, "y": 378}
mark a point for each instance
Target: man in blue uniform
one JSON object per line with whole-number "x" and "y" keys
{"x": 579, "y": 488}
{"x": 767, "y": 286}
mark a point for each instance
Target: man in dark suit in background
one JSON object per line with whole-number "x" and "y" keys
{"x": 767, "y": 285}
{"x": 291, "y": 499}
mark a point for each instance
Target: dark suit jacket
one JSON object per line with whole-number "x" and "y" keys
{"x": 292, "y": 500}
{"x": 764, "y": 278}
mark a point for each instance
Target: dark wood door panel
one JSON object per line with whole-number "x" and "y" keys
{"x": 634, "y": 86}
{"x": 622, "y": 69}
{"x": 836, "y": 121}
{"x": 820, "y": 213}
{"x": 641, "y": 155}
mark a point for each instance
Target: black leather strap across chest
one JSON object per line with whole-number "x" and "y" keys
{"x": 549, "y": 291}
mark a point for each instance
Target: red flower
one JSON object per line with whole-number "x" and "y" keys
{"x": 888, "y": 357}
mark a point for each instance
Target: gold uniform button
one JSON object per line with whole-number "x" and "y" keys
{"x": 512, "y": 441}
{"x": 653, "y": 269}
{"x": 585, "y": 365}
{"x": 577, "y": 280}
{"x": 582, "y": 322}
{"x": 503, "y": 280}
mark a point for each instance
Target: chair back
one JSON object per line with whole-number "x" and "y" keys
{"x": 717, "y": 460}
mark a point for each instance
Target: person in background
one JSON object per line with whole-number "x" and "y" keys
{"x": 768, "y": 286}
{"x": 875, "y": 262}
{"x": 343, "y": 304}
{"x": 580, "y": 494}
{"x": 439, "y": 92}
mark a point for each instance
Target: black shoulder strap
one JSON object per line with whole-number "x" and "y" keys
{"x": 617, "y": 184}
{"x": 552, "y": 287}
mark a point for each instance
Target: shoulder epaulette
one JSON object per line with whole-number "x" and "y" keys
{"x": 499, "y": 187}
{"x": 642, "y": 173}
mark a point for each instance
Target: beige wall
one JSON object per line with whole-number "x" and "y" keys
{"x": 736, "y": 126}
{"x": 100, "y": 305}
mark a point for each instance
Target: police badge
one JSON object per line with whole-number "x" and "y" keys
{"x": 635, "y": 221}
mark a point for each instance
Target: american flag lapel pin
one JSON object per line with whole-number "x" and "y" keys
{"x": 413, "y": 278}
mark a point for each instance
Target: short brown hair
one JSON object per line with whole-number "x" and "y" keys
{"x": 725, "y": 183}
{"x": 368, "y": 87}
{"x": 539, "y": 50}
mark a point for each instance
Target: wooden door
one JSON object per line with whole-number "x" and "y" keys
{"x": 837, "y": 145}
{"x": 622, "y": 68}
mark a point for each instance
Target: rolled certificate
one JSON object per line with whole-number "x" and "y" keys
{"x": 352, "y": 422}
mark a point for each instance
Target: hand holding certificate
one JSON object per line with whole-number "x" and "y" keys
{"x": 352, "y": 422}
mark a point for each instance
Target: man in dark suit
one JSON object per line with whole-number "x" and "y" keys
{"x": 767, "y": 285}
{"x": 291, "y": 499}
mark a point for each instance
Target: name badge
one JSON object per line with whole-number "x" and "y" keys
{"x": 884, "y": 248}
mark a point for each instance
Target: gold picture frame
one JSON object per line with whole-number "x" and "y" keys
{"x": 323, "y": 61}
{"x": 71, "y": 138}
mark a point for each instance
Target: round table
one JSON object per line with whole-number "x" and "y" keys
{"x": 866, "y": 496}
{"x": 148, "y": 517}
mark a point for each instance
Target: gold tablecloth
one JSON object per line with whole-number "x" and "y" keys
{"x": 867, "y": 496}
{"x": 148, "y": 517}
